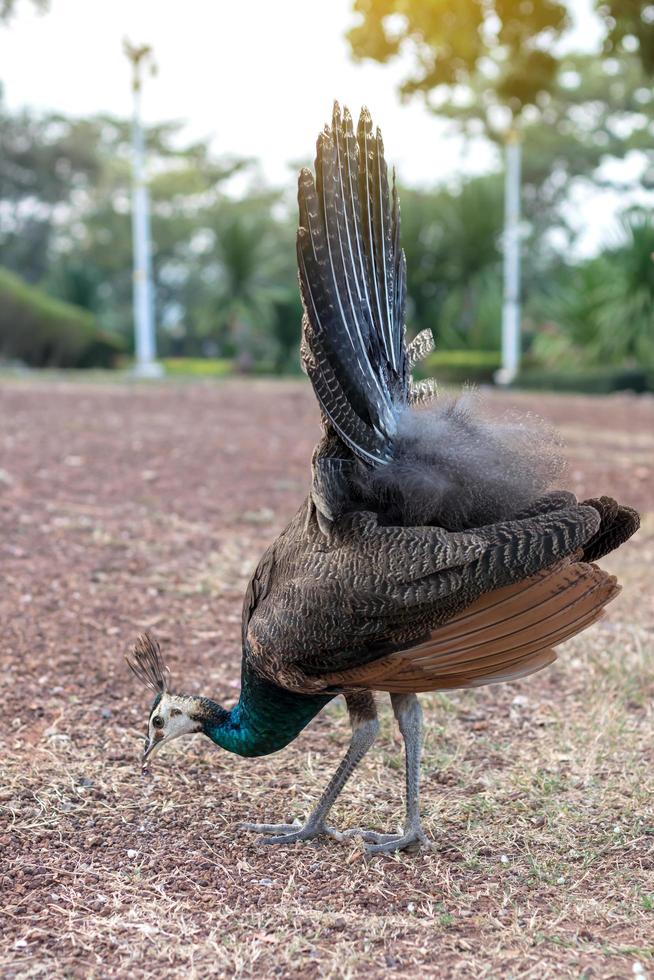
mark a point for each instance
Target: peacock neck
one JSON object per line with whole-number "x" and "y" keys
{"x": 265, "y": 718}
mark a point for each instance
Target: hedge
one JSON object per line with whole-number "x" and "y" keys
{"x": 44, "y": 332}
{"x": 592, "y": 381}
{"x": 197, "y": 367}
{"x": 460, "y": 366}
{"x": 478, "y": 367}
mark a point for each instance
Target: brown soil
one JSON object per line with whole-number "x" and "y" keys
{"x": 127, "y": 507}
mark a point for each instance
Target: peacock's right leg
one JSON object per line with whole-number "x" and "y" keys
{"x": 363, "y": 717}
{"x": 409, "y": 717}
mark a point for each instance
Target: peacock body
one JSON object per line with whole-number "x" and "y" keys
{"x": 430, "y": 553}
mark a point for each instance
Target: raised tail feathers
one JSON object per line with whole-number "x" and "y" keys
{"x": 389, "y": 446}
{"x": 353, "y": 284}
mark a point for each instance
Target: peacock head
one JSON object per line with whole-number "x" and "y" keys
{"x": 171, "y": 715}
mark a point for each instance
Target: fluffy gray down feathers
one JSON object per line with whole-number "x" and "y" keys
{"x": 456, "y": 467}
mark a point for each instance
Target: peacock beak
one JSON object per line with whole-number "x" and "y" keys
{"x": 150, "y": 745}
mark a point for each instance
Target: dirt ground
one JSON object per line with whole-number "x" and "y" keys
{"x": 127, "y": 507}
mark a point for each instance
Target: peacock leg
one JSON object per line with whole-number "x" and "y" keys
{"x": 365, "y": 727}
{"x": 409, "y": 716}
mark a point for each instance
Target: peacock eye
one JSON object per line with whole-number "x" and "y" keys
{"x": 158, "y": 721}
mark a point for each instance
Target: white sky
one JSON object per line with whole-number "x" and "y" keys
{"x": 256, "y": 76}
{"x": 259, "y": 76}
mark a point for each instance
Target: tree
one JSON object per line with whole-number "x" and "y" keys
{"x": 630, "y": 21}
{"x": 485, "y": 64}
{"x": 601, "y": 311}
{"x": 223, "y": 267}
{"x": 470, "y": 59}
{"x": 451, "y": 240}
{"x": 599, "y": 108}
{"x": 244, "y": 280}
{"x": 88, "y": 258}
{"x": 44, "y": 161}
{"x": 475, "y": 64}
{"x": 489, "y": 67}
{"x": 8, "y": 7}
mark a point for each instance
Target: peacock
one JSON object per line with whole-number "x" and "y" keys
{"x": 431, "y": 552}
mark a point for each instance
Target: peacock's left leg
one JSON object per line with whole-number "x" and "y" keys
{"x": 409, "y": 716}
{"x": 363, "y": 717}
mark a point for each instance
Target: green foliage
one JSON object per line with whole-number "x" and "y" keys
{"x": 598, "y": 109}
{"x": 43, "y": 163}
{"x": 223, "y": 268}
{"x": 461, "y": 366}
{"x": 224, "y": 263}
{"x": 591, "y": 381}
{"x": 198, "y": 367}
{"x": 631, "y": 19}
{"x": 65, "y": 219}
{"x": 491, "y": 63}
{"x": 44, "y": 332}
{"x": 494, "y": 66}
{"x": 8, "y": 7}
{"x": 602, "y": 311}
{"x": 451, "y": 240}
{"x": 184, "y": 196}
{"x": 242, "y": 273}
{"x": 495, "y": 47}
{"x": 471, "y": 315}
{"x": 626, "y": 321}
{"x": 287, "y": 324}
{"x": 491, "y": 67}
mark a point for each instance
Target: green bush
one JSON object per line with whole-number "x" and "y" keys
{"x": 197, "y": 367}
{"x": 600, "y": 313}
{"x": 44, "y": 332}
{"x": 460, "y": 366}
{"x": 592, "y": 381}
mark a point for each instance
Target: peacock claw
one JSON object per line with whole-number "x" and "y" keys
{"x": 377, "y": 843}
{"x": 290, "y": 833}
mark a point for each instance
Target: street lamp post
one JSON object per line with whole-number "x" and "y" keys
{"x": 144, "y": 328}
{"x": 511, "y": 303}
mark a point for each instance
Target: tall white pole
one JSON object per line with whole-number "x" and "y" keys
{"x": 511, "y": 302}
{"x": 144, "y": 328}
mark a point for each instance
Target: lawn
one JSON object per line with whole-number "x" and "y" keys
{"x": 127, "y": 507}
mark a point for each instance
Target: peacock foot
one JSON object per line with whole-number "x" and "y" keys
{"x": 376, "y": 843}
{"x": 290, "y": 833}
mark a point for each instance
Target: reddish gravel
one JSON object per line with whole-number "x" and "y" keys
{"x": 127, "y": 506}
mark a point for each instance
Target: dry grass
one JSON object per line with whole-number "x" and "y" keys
{"x": 127, "y": 508}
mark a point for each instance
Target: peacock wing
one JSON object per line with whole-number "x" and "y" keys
{"x": 383, "y": 590}
{"x": 502, "y": 636}
{"x": 618, "y": 523}
{"x": 326, "y": 607}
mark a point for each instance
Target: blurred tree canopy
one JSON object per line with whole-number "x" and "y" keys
{"x": 470, "y": 60}
{"x": 43, "y": 164}
{"x": 7, "y": 7}
{"x": 602, "y": 311}
{"x": 223, "y": 242}
{"x": 492, "y": 65}
{"x": 454, "y": 276}
{"x": 221, "y": 278}
{"x": 488, "y": 66}
{"x": 631, "y": 21}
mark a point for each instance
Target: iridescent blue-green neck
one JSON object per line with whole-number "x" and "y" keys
{"x": 265, "y": 719}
